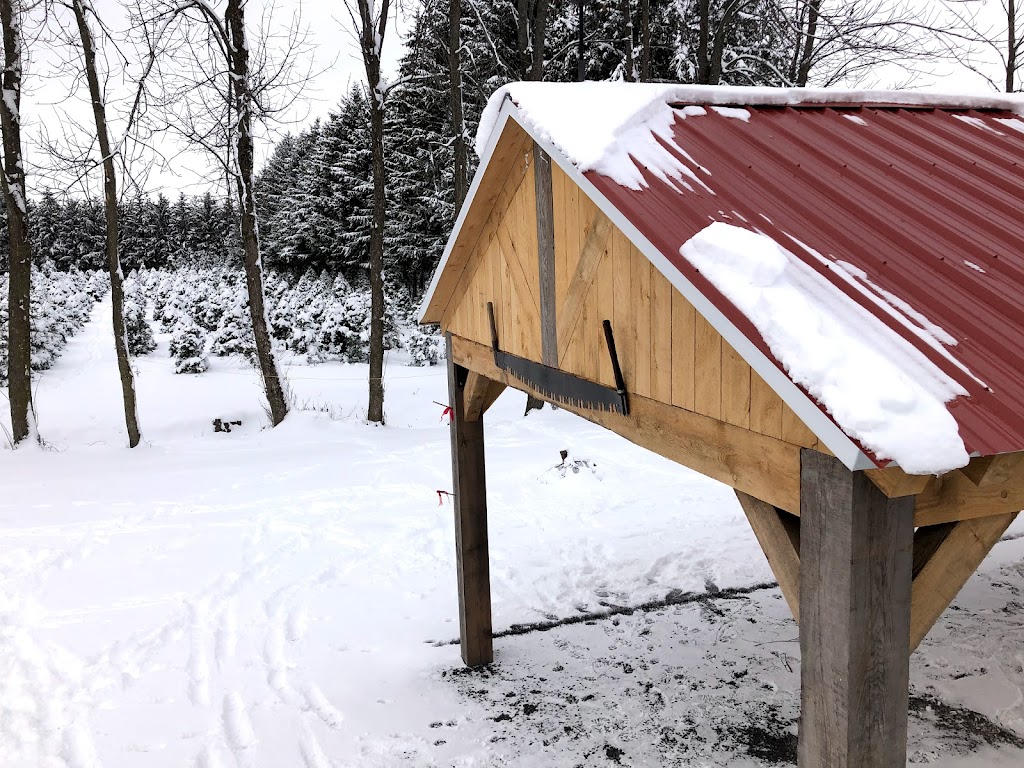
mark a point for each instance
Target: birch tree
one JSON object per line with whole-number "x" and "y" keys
{"x": 19, "y": 373}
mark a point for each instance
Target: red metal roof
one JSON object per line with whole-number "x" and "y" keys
{"x": 908, "y": 197}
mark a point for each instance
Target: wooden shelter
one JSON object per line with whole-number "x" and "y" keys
{"x": 867, "y": 556}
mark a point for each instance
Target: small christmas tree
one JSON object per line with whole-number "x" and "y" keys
{"x": 424, "y": 348}
{"x": 136, "y": 326}
{"x": 234, "y": 332}
{"x": 188, "y": 347}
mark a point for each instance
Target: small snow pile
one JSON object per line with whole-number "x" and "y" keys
{"x": 879, "y": 389}
{"x": 570, "y": 466}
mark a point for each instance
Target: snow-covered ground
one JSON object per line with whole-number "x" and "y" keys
{"x": 285, "y": 597}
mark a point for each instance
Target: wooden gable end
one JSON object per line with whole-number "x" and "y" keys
{"x": 668, "y": 351}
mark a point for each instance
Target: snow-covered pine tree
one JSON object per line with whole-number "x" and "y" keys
{"x": 189, "y": 348}
{"x": 234, "y": 331}
{"x": 136, "y": 325}
{"x": 352, "y": 189}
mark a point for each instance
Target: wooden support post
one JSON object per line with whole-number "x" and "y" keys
{"x": 778, "y": 533}
{"x": 945, "y": 557}
{"x": 856, "y": 553}
{"x": 469, "y": 486}
{"x": 479, "y": 394}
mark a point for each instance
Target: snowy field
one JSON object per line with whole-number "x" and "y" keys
{"x": 285, "y": 598}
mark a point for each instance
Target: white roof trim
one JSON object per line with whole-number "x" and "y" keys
{"x": 845, "y": 449}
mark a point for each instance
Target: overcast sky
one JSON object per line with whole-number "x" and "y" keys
{"x": 49, "y": 109}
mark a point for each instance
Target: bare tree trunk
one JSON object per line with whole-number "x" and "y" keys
{"x": 803, "y": 71}
{"x": 19, "y": 366}
{"x": 627, "y": 40}
{"x": 99, "y": 112}
{"x": 729, "y": 14}
{"x": 645, "y": 41}
{"x": 540, "y": 22}
{"x": 1011, "y": 44}
{"x": 703, "y": 35}
{"x": 581, "y": 64}
{"x": 371, "y": 38}
{"x": 238, "y": 63}
{"x": 458, "y": 122}
{"x": 523, "y": 37}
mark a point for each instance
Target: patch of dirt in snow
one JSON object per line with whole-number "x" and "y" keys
{"x": 707, "y": 683}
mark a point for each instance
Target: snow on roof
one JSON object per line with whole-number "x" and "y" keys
{"x": 879, "y": 388}
{"x": 598, "y": 125}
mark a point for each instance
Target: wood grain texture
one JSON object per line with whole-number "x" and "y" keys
{"x": 735, "y": 388}
{"x": 479, "y": 394}
{"x": 582, "y": 279}
{"x": 894, "y": 482}
{"x": 684, "y": 321}
{"x": 957, "y": 556}
{"x": 471, "y": 546}
{"x": 622, "y": 288}
{"x": 993, "y": 470}
{"x": 641, "y": 328}
{"x": 707, "y": 374}
{"x": 765, "y": 408}
{"x": 504, "y": 174}
{"x": 856, "y": 556}
{"x": 763, "y": 467}
{"x": 795, "y": 431}
{"x": 778, "y": 533}
{"x": 545, "y": 254}
{"x": 661, "y": 337}
{"x": 954, "y": 496}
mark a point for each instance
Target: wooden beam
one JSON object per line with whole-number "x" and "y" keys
{"x": 994, "y": 470}
{"x": 586, "y": 270}
{"x": 518, "y": 270}
{"x": 479, "y": 395}
{"x": 546, "y": 254}
{"x": 763, "y": 467}
{"x": 954, "y": 496}
{"x": 778, "y": 533}
{"x": 927, "y": 540}
{"x": 954, "y": 559}
{"x": 894, "y": 482}
{"x": 856, "y": 555}
{"x": 470, "y": 492}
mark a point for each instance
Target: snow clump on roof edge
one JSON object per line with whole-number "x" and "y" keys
{"x": 597, "y": 125}
{"x": 879, "y": 389}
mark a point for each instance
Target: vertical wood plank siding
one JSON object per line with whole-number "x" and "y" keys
{"x": 667, "y": 350}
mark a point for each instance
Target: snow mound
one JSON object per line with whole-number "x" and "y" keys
{"x": 615, "y": 128}
{"x": 879, "y": 388}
